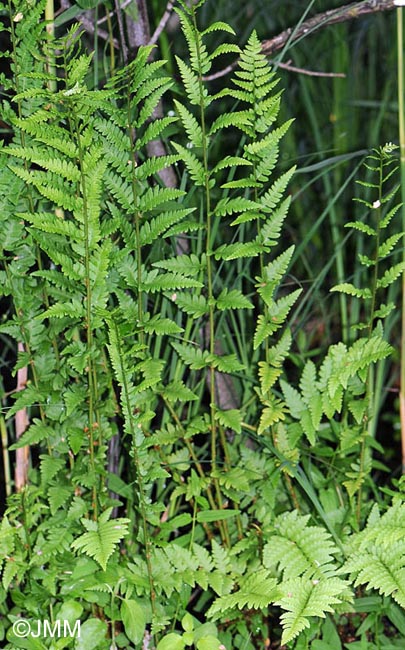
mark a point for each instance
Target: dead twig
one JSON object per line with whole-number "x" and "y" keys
{"x": 162, "y": 23}
{"x": 319, "y": 21}
{"x": 21, "y": 424}
{"x": 310, "y": 73}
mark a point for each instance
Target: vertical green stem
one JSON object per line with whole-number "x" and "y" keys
{"x": 401, "y": 119}
{"x": 128, "y": 414}
{"x": 91, "y": 374}
{"x": 368, "y": 425}
{"x": 209, "y": 264}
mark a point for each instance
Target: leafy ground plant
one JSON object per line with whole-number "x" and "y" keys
{"x": 155, "y": 320}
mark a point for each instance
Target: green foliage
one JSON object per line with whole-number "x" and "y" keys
{"x": 161, "y": 319}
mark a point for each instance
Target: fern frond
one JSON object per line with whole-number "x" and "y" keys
{"x": 102, "y": 537}
{"x": 161, "y": 326}
{"x": 193, "y": 305}
{"x": 190, "y": 125}
{"x": 157, "y": 196}
{"x": 153, "y": 282}
{"x": 233, "y": 299}
{"x": 350, "y": 290}
{"x": 272, "y": 197}
{"x": 231, "y": 419}
{"x": 184, "y": 264}
{"x": 151, "y": 230}
{"x": 190, "y": 81}
{"x": 298, "y": 549}
{"x": 236, "y": 251}
{"x": 304, "y": 598}
{"x": 390, "y": 276}
{"x": 193, "y": 165}
{"x": 256, "y": 591}
{"x": 274, "y": 411}
{"x": 151, "y": 166}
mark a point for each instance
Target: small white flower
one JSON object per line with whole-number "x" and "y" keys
{"x": 18, "y": 17}
{"x": 73, "y": 91}
{"x": 315, "y": 582}
{"x": 189, "y": 145}
{"x": 170, "y": 113}
{"x": 377, "y": 203}
{"x": 173, "y": 296}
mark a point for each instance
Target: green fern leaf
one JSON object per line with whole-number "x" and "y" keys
{"x": 219, "y": 25}
{"x": 362, "y": 227}
{"x": 293, "y": 399}
{"x": 298, "y": 549}
{"x": 59, "y": 496}
{"x": 388, "y": 217}
{"x": 37, "y": 432}
{"x": 272, "y": 197}
{"x": 382, "y": 569}
{"x": 236, "y": 251}
{"x": 390, "y": 275}
{"x": 387, "y": 246}
{"x": 194, "y": 305}
{"x": 193, "y": 165}
{"x": 184, "y": 264}
{"x": 233, "y": 299}
{"x": 257, "y": 591}
{"x": 73, "y": 309}
{"x": 153, "y": 165}
{"x": 351, "y": 290}
{"x": 156, "y": 196}
{"x": 154, "y": 130}
{"x": 193, "y": 357}
{"x": 64, "y": 168}
{"x": 178, "y": 391}
{"x": 224, "y": 48}
{"x": 151, "y": 230}
{"x": 50, "y": 222}
{"x": 272, "y": 274}
{"x": 304, "y": 598}
{"x": 231, "y": 419}
{"x": 384, "y": 310}
{"x": 268, "y": 376}
{"x": 190, "y": 81}
{"x": 121, "y": 190}
{"x": 271, "y": 230}
{"x": 274, "y": 412}
{"x": 45, "y": 183}
{"x": 102, "y": 537}
{"x": 230, "y": 206}
{"x": 153, "y": 93}
{"x": 190, "y": 124}
{"x": 238, "y": 119}
{"x": 230, "y": 161}
{"x": 50, "y": 466}
{"x": 269, "y": 141}
{"x": 264, "y": 329}
{"x": 277, "y": 353}
{"x": 161, "y": 326}
{"x": 225, "y": 363}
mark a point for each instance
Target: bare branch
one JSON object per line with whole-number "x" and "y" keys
{"x": 22, "y": 455}
{"x": 310, "y": 73}
{"x": 324, "y": 19}
{"x": 163, "y": 22}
